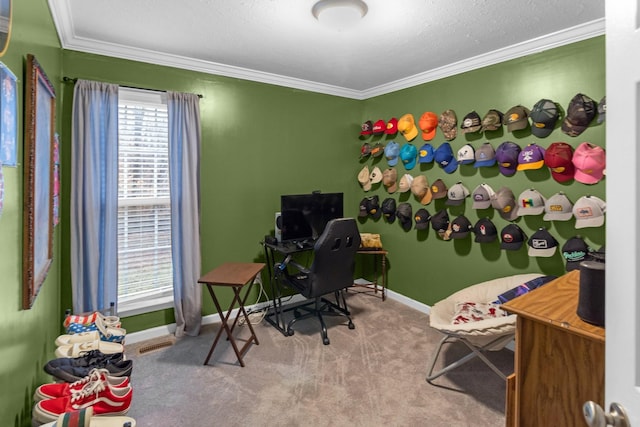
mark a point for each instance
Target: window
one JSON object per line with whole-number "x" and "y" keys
{"x": 145, "y": 270}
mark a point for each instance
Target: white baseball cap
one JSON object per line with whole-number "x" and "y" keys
{"x": 558, "y": 208}
{"x": 482, "y": 196}
{"x": 466, "y": 155}
{"x": 530, "y": 202}
{"x": 589, "y": 211}
{"x": 456, "y": 194}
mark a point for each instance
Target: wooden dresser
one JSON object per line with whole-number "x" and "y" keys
{"x": 559, "y": 358}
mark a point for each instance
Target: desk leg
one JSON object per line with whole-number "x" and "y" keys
{"x": 224, "y": 318}
{"x": 375, "y": 274}
{"x": 384, "y": 277}
{"x": 376, "y": 284}
{"x": 274, "y": 315}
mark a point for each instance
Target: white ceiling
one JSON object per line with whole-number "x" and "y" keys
{"x": 398, "y": 44}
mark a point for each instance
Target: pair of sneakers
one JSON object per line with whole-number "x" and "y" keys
{"x": 106, "y": 395}
{"x": 77, "y": 349}
{"x": 71, "y": 369}
{"x": 108, "y": 327}
{"x": 81, "y": 319}
{"x": 85, "y": 418}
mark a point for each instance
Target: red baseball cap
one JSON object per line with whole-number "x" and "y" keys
{"x": 392, "y": 126}
{"x": 366, "y": 128}
{"x": 379, "y": 127}
{"x": 558, "y": 158}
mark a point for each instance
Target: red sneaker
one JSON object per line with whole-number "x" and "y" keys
{"x": 55, "y": 390}
{"x": 104, "y": 400}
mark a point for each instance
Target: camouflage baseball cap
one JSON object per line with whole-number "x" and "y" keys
{"x": 471, "y": 123}
{"x": 580, "y": 113}
{"x": 492, "y": 120}
{"x": 448, "y": 123}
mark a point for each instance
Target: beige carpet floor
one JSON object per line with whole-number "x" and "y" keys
{"x": 373, "y": 375}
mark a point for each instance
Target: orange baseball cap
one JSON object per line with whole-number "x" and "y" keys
{"x": 428, "y": 124}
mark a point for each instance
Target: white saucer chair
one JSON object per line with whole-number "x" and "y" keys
{"x": 489, "y": 334}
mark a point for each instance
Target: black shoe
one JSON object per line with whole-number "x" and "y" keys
{"x": 90, "y": 358}
{"x": 71, "y": 374}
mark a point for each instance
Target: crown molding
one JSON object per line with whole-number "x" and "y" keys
{"x": 69, "y": 41}
{"x": 540, "y": 44}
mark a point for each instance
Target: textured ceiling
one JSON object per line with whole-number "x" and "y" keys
{"x": 399, "y": 43}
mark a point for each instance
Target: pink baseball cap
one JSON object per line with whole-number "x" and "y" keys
{"x": 590, "y": 163}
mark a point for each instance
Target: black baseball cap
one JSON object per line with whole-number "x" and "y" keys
{"x": 461, "y": 227}
{"x": 574, "y": 251}
{"x": 440, "y": 223}
{"x": 485, "y": 231}
{"x": 389, "y": 209}
{"x": 364, "y": 208}
{"x": 404, "y": 213}
{"x": 512, "y": 237}
{"x": 422, "y": 218}
{"x": 373, "y": 207}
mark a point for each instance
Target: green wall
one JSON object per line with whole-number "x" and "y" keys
{"x": 260, "y": 141}
{"x": 27, "y": 335}
{"x": 421, "y": 265}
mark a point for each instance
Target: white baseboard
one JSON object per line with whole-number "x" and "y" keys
{"x": 161, "y": 331}
{"x": 417, "y": 305}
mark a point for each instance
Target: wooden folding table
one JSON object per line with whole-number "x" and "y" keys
{"x": 235, "y": 275}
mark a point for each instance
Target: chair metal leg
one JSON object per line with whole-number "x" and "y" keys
{"x": 323, "y": 332}
{"x": 319, "y": 308}
{"x": 475, "y": 352}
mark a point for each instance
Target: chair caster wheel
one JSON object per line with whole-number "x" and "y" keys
{"x": 290, "y": 332}
{"x": 325, "y": 341}
{"x": 351, "y": 325}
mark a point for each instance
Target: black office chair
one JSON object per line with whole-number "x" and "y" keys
{"x": 331, "y": 271}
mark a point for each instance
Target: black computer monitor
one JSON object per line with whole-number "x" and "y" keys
{"x": 304, "y": 216}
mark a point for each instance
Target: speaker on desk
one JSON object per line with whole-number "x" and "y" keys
{"x": 591, "y": 294}
{"x": 278, "y": 227}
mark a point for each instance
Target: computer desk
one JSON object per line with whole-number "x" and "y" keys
{"x": 283, "y": 250}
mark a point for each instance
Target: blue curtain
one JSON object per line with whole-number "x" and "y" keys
{"x": 94, "y": 196}
{"x": 184, "y": 172}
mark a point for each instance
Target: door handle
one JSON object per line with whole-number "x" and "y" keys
{"x": 595, "y": 416}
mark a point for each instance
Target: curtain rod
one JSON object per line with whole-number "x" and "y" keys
{"x": 73, "y": 79}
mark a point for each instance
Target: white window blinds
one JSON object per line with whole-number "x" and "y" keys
{"x": 144, "y": 216}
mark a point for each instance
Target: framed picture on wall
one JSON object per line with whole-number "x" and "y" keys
{"x": 6, "y": 13}
{"x": 56, "y": 179}
{"x": 39, "y": 131}
{"x": 8, "y": 117}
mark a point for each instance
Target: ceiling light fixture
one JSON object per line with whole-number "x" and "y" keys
{"x": 339, "y": 14}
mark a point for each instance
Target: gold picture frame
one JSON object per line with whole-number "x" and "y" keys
{"x": 6, "y": 14}
{"x": 39, "y": 133}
